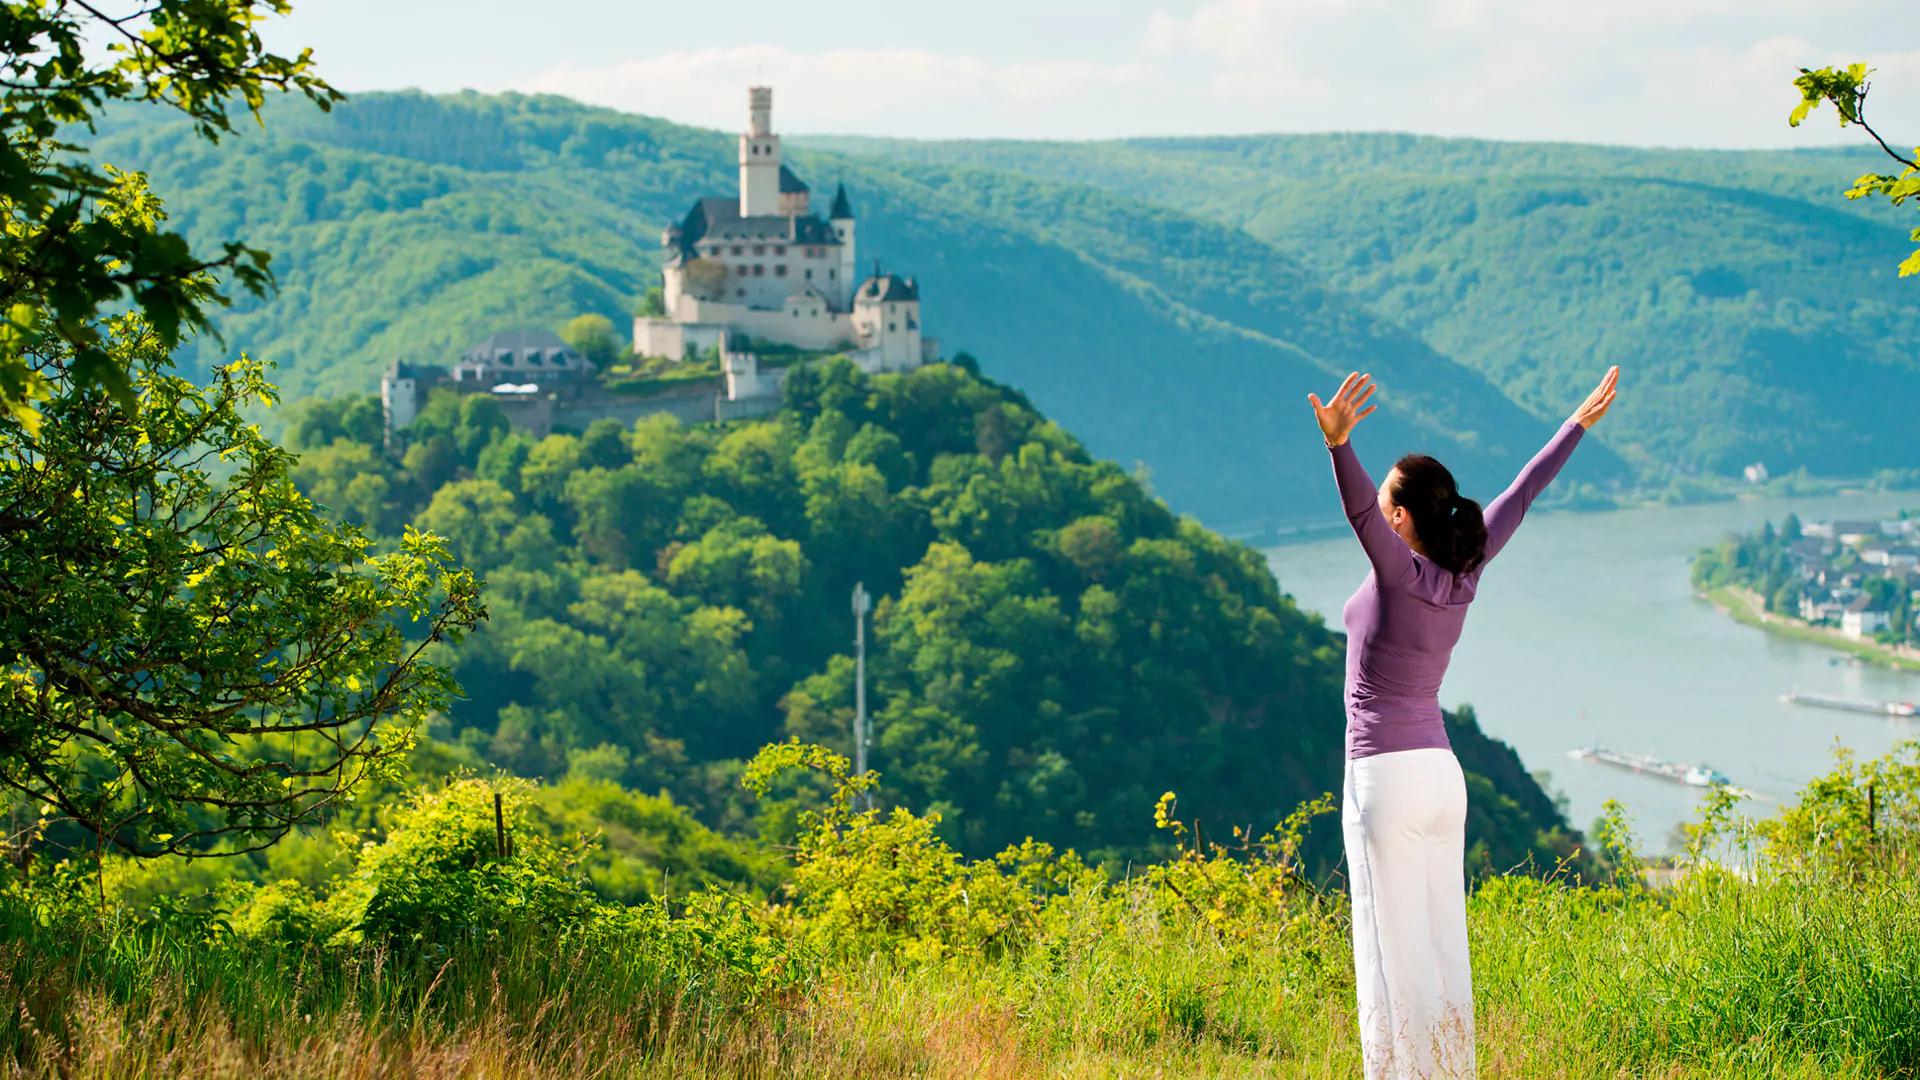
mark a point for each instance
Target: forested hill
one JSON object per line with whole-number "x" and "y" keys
{"x": 409, "y": 226}
{"x": 1757, "y": 310}
{"x": 1051, "y": 648}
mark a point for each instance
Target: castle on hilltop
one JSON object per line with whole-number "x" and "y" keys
{"x": 762, "y": 268}
{"x": 766, "y": 266}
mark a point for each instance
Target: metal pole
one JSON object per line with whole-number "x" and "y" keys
{"x": 861, "y": 604}
{"x": 499, "y": 828}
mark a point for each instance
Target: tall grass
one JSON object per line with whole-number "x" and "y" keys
{"x": 1806, "y": 973}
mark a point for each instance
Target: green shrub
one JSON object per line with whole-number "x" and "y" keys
{"x": 440, "y": 874}
{"x": 872, "y": 881}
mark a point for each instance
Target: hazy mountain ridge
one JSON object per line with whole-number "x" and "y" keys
{"x": 408, "y": 225}
{"x": 1756, "y": 307}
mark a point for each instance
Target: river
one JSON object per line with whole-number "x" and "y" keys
{"x": 1586, "y": 630}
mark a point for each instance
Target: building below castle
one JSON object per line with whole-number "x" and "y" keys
{"x": 766, "y": 266}
{"x": 541, "y": 383}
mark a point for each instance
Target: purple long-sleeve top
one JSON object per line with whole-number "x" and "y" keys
{"x": 1406, "y": 618}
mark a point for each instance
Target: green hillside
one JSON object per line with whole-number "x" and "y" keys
{"x": 1052, "y": 648}
{"x": 405, "y": 225}
{"x": 1757, "y": 309}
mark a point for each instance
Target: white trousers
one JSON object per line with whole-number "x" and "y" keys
{"x": 1404, "y": 815}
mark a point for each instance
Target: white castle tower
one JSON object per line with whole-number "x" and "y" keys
{"x": 759, "y": 157}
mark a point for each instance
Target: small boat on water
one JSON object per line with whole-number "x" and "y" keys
{"x": 1877, "y": 708}
{"x": 1648, "y": 765}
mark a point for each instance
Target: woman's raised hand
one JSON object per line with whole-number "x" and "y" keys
{"x": 1598, "y": 402}
{"x": 1338, "y": 417}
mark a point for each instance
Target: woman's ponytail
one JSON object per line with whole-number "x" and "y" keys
{"x": 1450, "y": 525}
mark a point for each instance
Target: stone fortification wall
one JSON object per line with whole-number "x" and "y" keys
{"x": 532, "y": 413}
{"x": 692, "y": 405}
{"x": 743, "y": 408}
{"x": 702, "y": 403}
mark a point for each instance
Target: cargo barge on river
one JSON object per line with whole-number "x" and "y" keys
{"x": 1647, "y": 765}
{"x": 1877, "y": 708}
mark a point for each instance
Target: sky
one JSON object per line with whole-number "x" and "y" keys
{"x": 1703, "y": 73}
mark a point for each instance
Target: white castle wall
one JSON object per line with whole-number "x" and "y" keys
{"x": 803, "y": 323}
{"x": 764, "y": 275}
{"x": 670, "y": 339}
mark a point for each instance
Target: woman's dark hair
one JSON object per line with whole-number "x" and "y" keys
{"x": 1449, "y": 524}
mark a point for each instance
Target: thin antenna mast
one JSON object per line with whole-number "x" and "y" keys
{"x": 862, "y": 603}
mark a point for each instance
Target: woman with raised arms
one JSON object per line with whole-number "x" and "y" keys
{"x": 1404, "y": 802}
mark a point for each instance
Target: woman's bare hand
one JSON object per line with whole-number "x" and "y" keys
{"x": 1598, "y": 402}
{"x": 1338, "y": 417}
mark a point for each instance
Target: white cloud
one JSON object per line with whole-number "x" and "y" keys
{"x": 1690, "y": 72}
{"x": 882, "y": 91}
{"x": 1672, "y": 72}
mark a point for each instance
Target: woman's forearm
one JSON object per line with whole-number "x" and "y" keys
{"x": 1505, "y": 512}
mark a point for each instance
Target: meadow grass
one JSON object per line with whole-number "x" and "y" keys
{"x": 1797, "y": 974}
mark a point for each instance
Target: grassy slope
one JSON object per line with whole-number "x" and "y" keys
{"x": 1723, "y": 979}
{"x": 1758, "y": 308}
{"x": 409, "y": 226}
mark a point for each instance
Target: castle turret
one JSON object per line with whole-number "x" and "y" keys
{"x": 403, "y": 390}
{"x": 886, "y": 313}
{"x": 841, "y": 218}
{"x": 759, "y": 157}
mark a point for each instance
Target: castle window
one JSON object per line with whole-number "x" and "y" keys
{"x": 890, "y": 327}
{"x": 830, "y": 275}
{"x": 739, "y": 292}
{"x": 759, "y": 249}
{"x": 779, "y": 249}
{"x": 796, "y": 313}
{"x": 809, "y": 273}
{"x": 759, "y": 271}
{"x": 780, "y": 270}
{"x": 534, "y": 359}
{"x": 736, "y": 249}
{"x": 506, "y": 359}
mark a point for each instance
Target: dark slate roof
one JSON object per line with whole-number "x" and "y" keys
{"x": 518, "y": 342}
{"x": 401, "y": 369}
{"x": 842, "y": 209}
{"x": 720, "y": 219}
{"x": 883, "y": 288}
{"x": 791, "y": 184}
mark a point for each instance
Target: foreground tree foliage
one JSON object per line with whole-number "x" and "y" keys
{"x": 191, "y": 653}
{"x": 1846, "y": 88}
{"x": 80, "y": 238}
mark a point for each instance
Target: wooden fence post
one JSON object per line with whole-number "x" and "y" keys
{"x": 1871, "y": 811}
{"x": 499, "y": 827}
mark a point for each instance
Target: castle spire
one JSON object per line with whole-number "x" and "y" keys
{"x": 842, "y": 209}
